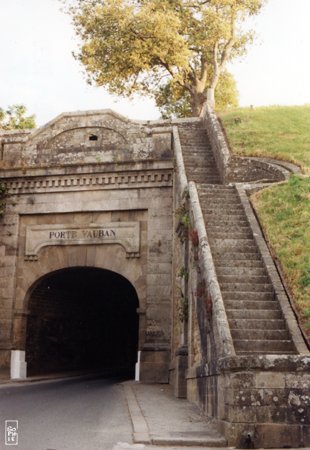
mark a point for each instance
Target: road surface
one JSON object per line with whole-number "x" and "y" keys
{"x": 71, "y": 414}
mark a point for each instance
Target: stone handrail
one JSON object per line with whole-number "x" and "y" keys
{"x": 205, "y": 255}
{"x": 209, "y": 274}
{"x": 218, "y": 141}
{"x": 182, "y": 178}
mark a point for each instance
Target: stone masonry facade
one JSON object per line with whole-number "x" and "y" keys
{"x": 162, "y": 207}
{"x": 68, "y": 184}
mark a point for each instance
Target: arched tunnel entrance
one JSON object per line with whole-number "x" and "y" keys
{"x": 82, "y": 318}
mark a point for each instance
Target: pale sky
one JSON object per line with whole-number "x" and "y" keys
{"x": 38, "y": 69}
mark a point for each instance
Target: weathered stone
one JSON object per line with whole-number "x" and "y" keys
{"x": 207, "y": 307}
{"x": 306, "y": 436}
{"x": 270, "y": 380}
{"x": 88, "y": 179}
{"x": 277, "y": 436}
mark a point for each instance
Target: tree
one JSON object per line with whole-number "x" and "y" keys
{"x": 14, "y": 118}
{"x": 176, "y": 102}
{"x": 141, "y": 46}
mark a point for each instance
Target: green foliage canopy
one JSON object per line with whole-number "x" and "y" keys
{"x": 142, "y": 45}
{"x": 15, "y": 118}
{"x": 176, "y": 102}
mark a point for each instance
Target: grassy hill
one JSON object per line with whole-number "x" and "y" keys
{"x": 283, "y": 209}
{"x": 280, "y": 132}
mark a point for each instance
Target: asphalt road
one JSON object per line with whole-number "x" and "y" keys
{"x": 72, "y": 414}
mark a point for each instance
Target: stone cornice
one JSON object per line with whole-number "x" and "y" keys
{"x": 90, "y": 181}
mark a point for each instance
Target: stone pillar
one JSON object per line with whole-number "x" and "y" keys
{"x": 137, "y": 367}
{"x": 18, "y": 365}
{"x": 154, "y": 366}
{"x": 181, "y": 363}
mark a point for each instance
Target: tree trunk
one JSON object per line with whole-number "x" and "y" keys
{"x": 197, "y": 102}
{"x": 211, "y": 97}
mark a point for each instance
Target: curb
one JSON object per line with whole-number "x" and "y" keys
{"x": 141, "y": 434}
{"x": 140, "y": 429}
{"x": 192, "y": 442}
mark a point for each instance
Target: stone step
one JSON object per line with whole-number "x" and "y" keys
{"x": 199, "y": 149}
{"x": 254, "y": 304}
{"x": 222, "y": 216}
{"x": 243, "y": 279}
{"x": 197, "y": 153}
{"x": 246, "y": 287}
{"x": 264, "y": 346}
{"x": 198, "y": 130}
{"x": 206, "y": 170}
{"x": 214, "y": 200}
{"x": 235, "y": 245}
{"x": 241, "y": 271}
{"x": 225, "y": 205}
{"x": 192, "y": 162}
{"x": 218, "y": 190}
{"x": 214, "y": 221}
{"x": 230, "y": 257}
{"x": 226, "y": 201}
{"x": 225, "y": 198}
{"x": 199, "y": 136}
{"x": 241, "y": 235}
{"x": 245, "y": 334}
{"x": 228, "y": 227}
{"x": 201, "y": 163}
{"x": 266, "y": 314}
{"x": 214, "y": 191}
{"x": 201, "y": 173}
{"x": 190, "y": 158}
{"x": 207, "y": 176}
{"x": 257, "y": 324}
{"x": 242, "y": 263}
{"x": 216, "y": 197}
{"x": 250, "y": 296}
{"x": 220, "y": 210}
{"x": 229, "y": 211}
{"x": 270, "y": 352}
{"x": 232, "y": 221}
{"x": 227, "y": 254}
{"x": 201, "y": 144}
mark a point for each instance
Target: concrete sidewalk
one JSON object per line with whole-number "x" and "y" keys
{"x": 158, "y": 418}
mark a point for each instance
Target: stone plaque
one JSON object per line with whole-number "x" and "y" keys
{"x": 126, "y": 234}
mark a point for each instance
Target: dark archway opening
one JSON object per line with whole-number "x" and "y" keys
{"x": 82, "y": 319}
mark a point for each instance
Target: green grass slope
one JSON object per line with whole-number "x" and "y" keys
{"x": 277, "y": 131}
{"x": 283, "y": 209}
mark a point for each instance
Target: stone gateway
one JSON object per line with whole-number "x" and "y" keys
{"x": 131, "y": 247}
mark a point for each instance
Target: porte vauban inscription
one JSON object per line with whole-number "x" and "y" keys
{"x": 87, "y": 233}
{"x": 126, "y": 234}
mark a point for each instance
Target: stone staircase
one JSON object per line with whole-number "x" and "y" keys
{"x": 197, "y": 154}
{"x": 255, "y": 318}
{"x": 256, "y": 321}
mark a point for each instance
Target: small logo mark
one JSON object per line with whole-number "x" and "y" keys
{"x": 11, "y": 432}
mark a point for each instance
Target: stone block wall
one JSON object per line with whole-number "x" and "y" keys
{"x": 266, "y": 398}
{"x": 86, "y": 138}
{"x": 85, "y": 170}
